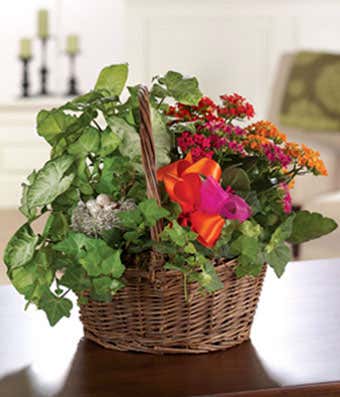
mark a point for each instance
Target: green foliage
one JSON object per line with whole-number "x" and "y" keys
{"x": 109, "y": 142}
{"x": 50, "y": 124}
{"x": 250, "y": 229}
{"x": 310, "y": 225}
{"x": 129, "y": 145}
{"x": 247, "y": 246}
{"x": 21, "y": 247}
{"x": 182, "y": 89}
{"x": 152, "y": 212}
{"x": 35, "y": 276}
{"x": 178, "y": 235}
{"x": 47, "y": 184}
{"x": 55, "y": 307}
{"x": 161, "y": 137}
{"x": 56, "y": 226}
{"x": 281, "y": 233}
{"x": 115, "y": 176}
{"x": 237, "y": 178}
{"x": 75, "y": 278}
{"x": 96, "y": 257}
{"x": 277, "y": 253}
{"x": 88, "y": 142}
{"x": 278, "y": 258}
{"x": 222, "y": 247}
{"x": 112, "y": 79}
{"x": 104, "y": 287}
{"x": 208, "y": 278}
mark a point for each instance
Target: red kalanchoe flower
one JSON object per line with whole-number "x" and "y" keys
{"x": 235, "y": 105}
{"x": 206, "y": 105}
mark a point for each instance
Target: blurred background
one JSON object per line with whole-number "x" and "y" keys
{"x": 282, "y": 55}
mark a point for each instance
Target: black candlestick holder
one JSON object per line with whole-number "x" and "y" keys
{"x": 25, "y": 84}
{"x": 72, "y": 83}
{"x": 43, "y": 68}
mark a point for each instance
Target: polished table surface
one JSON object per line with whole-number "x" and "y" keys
{"x": 294, "y": 350}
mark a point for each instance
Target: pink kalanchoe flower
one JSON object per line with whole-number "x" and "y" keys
{"x": 215, "y": 200}
{"x": 287, "y": 199}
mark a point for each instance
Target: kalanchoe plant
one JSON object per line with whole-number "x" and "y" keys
{"x": 225, "y": 193}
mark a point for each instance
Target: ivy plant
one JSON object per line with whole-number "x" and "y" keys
{"x": 92, "y": 193}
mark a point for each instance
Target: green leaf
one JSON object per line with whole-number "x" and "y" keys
{"x": 190, "y": 249}
{"x": 209, "y": 279}
{"x": 130, "y": 141}
{"x": 171, "y": 266}
{"x": 222, "y": 245}
{"x": 52, "y": 123}
{"x": 25, "y": 209}
{"x": 278, "y": 258}
{"x": 182, "y": 89}
{"x": 102, "y": 288}
{"x": 56, "y": 227}
{"x": 21, "y": 247}
{"x": 237, "y": 178}
{"x": 82, "y": 176}
{"x": 81, "y": 101}
{"x": 73, "y": 244}
{"x": 109, "y": 142}
{"x": 50, "y": 182}
{"x": 177, "y": 234}
{"x": 249, "y": 266}
{"x": 161, "y": 137}
{"x": 247, "y": 246}
{"x": 130, "y": 219}
{"x": 67, "y": 200}
{"x": 310, "y": 225}
{"x": 113, "y": 265}
{"x": 31, "y": 277}
{"x": 281, "y": 233}
{"x": 112, "y": 79}
{"x": 133, "y": 236}
{"x": 158, "y": 91}
{"x": 87, "y": 143}
{"x": 55, "y": 307}
{"x": 118, "y": 172}
{"x": 152, "y": 212}
{"x": 93, "y": 254}
{"x": 165, "y": 248}
{"x": 75, "y": 278}
{"x": 250, "y": 229}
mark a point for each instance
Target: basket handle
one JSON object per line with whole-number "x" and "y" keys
{"x": 149, "y": 155}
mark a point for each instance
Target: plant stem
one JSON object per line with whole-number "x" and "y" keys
{"x": 160, "y": 103}
{"x": 97, "y": 125}
{"x": 65, "y": 293}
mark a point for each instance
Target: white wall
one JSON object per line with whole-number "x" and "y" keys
{"x": 231, "y": 45}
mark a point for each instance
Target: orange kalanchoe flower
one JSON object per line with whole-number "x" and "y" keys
{"x": 268, "y": 130}
{"x": 306, "y": 157}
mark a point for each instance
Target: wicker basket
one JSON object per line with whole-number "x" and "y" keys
{"x": 151, "y": 313}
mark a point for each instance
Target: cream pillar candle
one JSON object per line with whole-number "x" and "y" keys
{"x": 25, "y": 51}
{"x": 43, "y": 32}
{"x": 72, "y": 44}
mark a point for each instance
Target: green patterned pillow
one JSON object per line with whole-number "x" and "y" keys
{"x": 312, "y": 97}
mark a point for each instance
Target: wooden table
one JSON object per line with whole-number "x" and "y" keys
{"x": 294, "y": 350}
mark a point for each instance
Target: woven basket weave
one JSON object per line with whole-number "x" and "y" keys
{"x": 150, "y": 314}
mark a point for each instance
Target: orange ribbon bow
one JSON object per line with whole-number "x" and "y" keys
{"x": 183, "y": 183}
